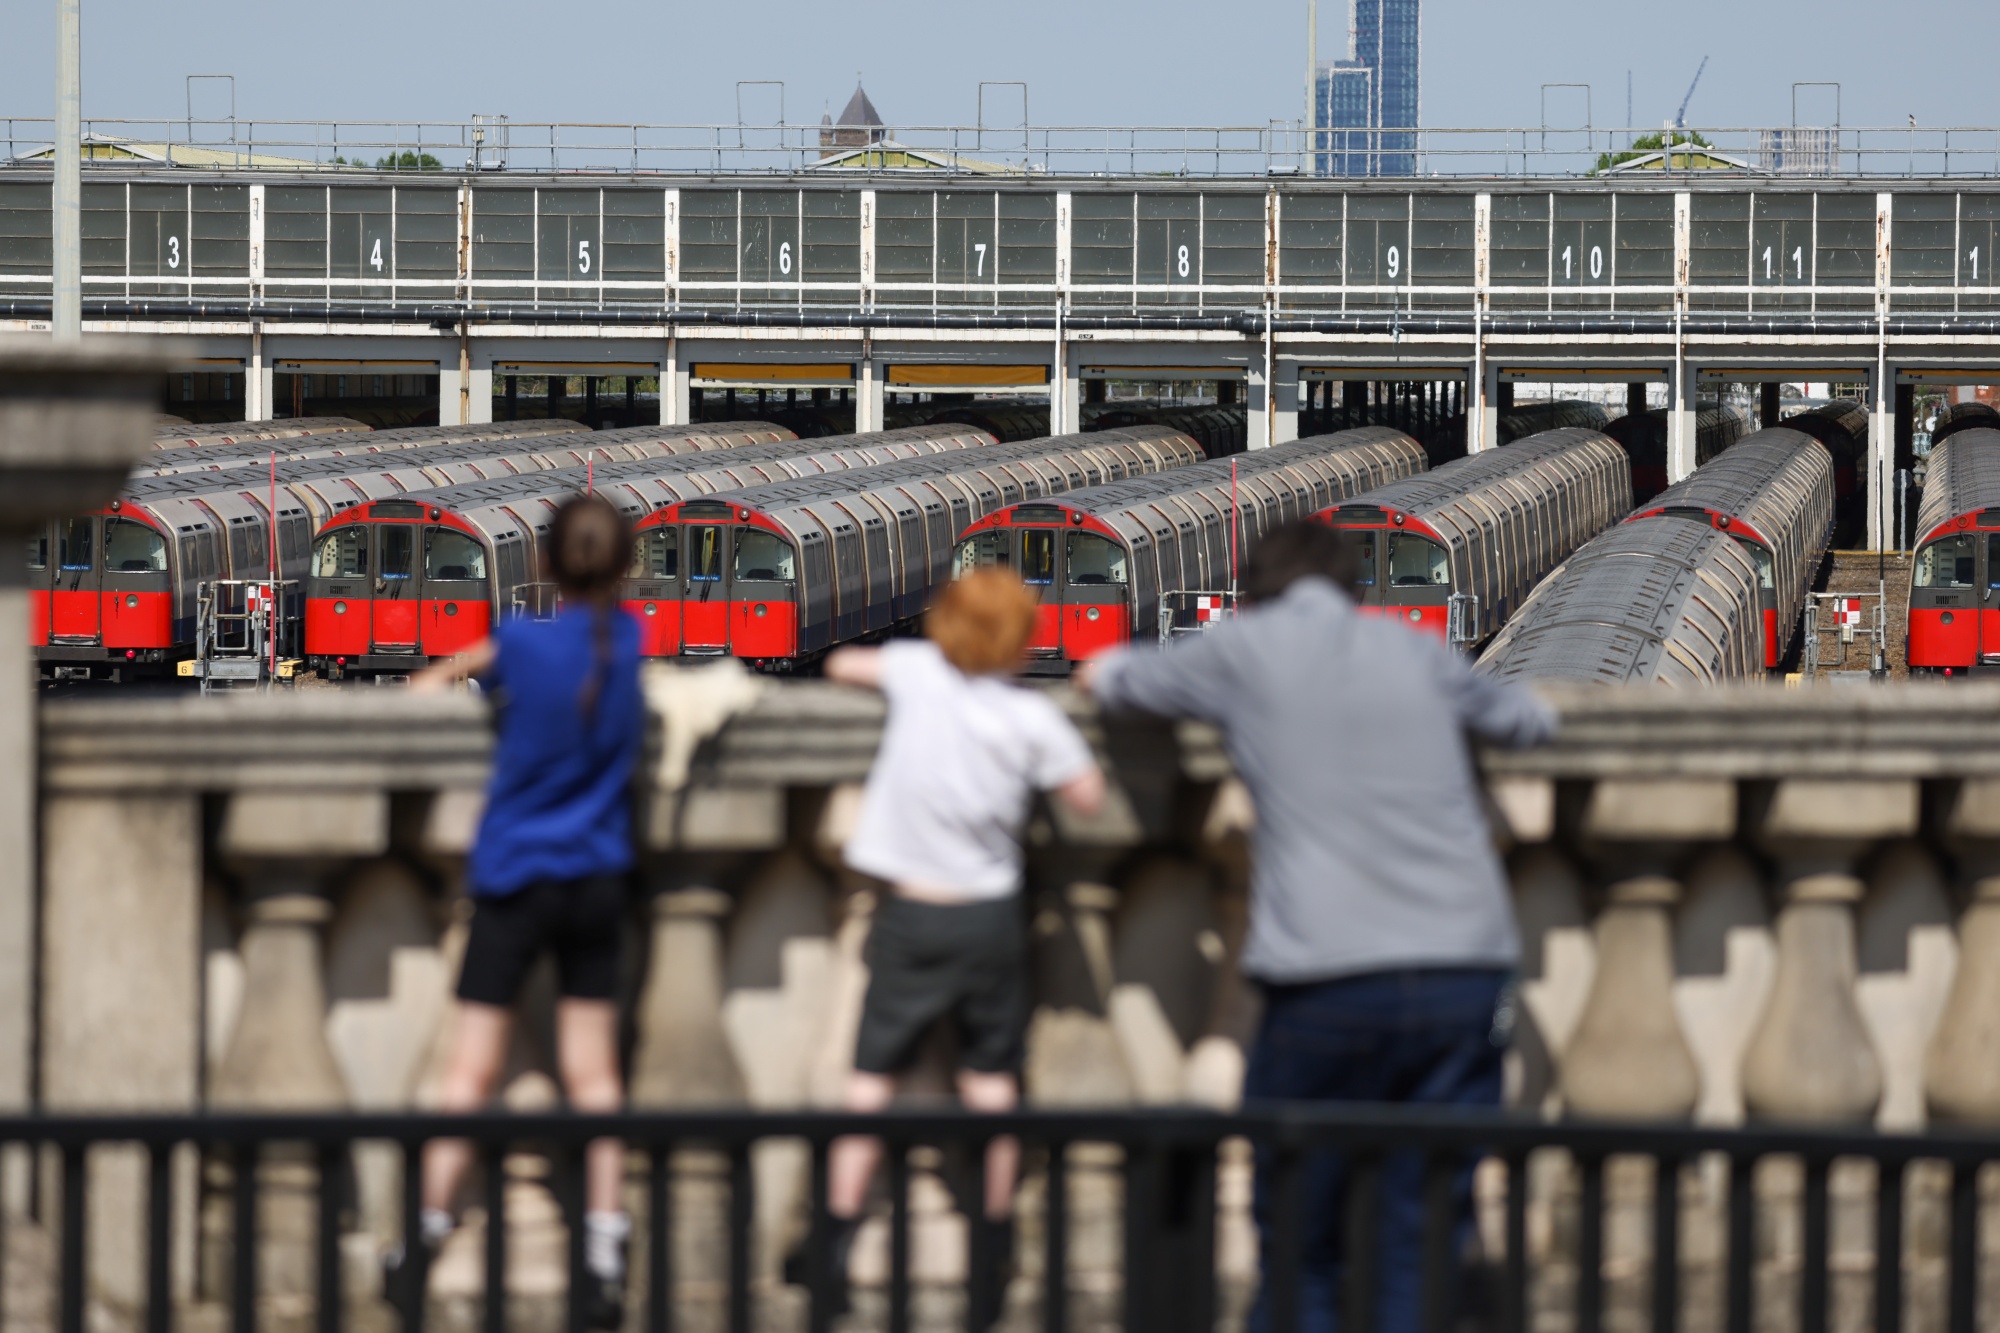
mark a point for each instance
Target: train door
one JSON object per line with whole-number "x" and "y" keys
{"x": 1097, "y": 596}
{"x": 456, "y": 599}
{"x": 705, "y": 594}
{"x": 1038, "y": 571}
{"x": 74, "y": 602}
{"x": 397, "y": 585}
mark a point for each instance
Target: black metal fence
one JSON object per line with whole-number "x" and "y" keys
{"x": 1167, "y": 1167}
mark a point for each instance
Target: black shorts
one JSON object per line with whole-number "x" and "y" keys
{"x": 582, "y": 920}
{"x": 926, "y": 961}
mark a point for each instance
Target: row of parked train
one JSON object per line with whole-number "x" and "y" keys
{"x": 392, "y": 547}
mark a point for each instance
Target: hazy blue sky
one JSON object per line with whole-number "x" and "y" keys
{"x": 1172, "y": 62}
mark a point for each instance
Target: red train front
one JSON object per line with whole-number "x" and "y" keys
{"x": 1954, "y": 619}
{"x": 394, "y": 583}
{"x": 1075, "y": 561}
{"x": 711, "y": 580}
{"x": 1405, "y": 566}
{"x": 100, "y": 596}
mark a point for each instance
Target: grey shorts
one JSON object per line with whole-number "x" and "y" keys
{"x": 964, "y": 961}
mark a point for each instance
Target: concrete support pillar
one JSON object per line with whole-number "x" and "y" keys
{"x": 1877, "y": 485}
{"x": 257, "y": 404}
{"x": 1489, "y": 395}
{"x": 1811, "y": 1058}
{"x": 1067, "y": 393}
{"x": 1680, "y": 421}
{"x": 868, "y": 394}
{"x": 1285, "y": 403}
{"x": 479, "y": 393}
{"x": 676, "y": 403}
{"x": 1767, "y": 403}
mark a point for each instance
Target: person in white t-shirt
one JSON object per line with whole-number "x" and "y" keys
{"x": 963, "y": 753}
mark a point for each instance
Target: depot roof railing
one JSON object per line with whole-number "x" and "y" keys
{"x": 495, "y": 144}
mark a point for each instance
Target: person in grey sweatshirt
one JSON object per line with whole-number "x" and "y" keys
{"x": 1381, "y": 933}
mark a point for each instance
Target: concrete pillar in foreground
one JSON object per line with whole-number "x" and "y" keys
{"x": 1961, "y": 1075}
{"x": 1811, "y": 1058}
{"x": 1680, "y": 422}
{"x": 73, "y": 420}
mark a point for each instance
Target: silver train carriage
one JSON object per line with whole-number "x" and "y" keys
{"x": 1489, "y": 527}
{"x": 1773, "y": 493}
{"x": 1659, "y": 599}
{"x": 1127, "y": 546}
{"x": 210, "y": 434}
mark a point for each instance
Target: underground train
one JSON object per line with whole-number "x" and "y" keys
{"x": 1648, "y": 601}
{"x": 1105, "y": 559}
{"x": 373, "y": 603}
{"x": 184, "y": 435}
{"x": 779, "y": 574}
{"x": 116, "y": 592}
{"x": 1005, "y": 422}
{"x": 1955, "y": 417}
{"x": 1644, "y": 436}
{"x": 1487, "y": 527}
{"x": 1660, "y": 599}
{"x": 1954, "y": 614}
{"x": 1221, "y": 429}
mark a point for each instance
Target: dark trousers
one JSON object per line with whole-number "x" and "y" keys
{"x": 1424, "y": 1036}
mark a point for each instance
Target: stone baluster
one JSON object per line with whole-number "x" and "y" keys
{"x": 1811, "y": 1058}
{"x": 285, "y": 846}
{"x": 1962, "y": 1065}
{"x": 1628, "y": 1056}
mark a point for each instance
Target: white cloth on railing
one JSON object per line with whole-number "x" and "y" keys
{"x": 693, "y": 703}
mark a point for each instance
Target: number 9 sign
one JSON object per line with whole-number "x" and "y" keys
{"x": 1395, "y": 262}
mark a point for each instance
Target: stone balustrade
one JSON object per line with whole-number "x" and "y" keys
{"x": 1742, "y": 904}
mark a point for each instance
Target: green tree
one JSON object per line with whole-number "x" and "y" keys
{"x": 408, "y": 161}
{"x": 1651, "y": 143}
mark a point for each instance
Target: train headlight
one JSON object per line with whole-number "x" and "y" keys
{"x": 1092, "y": 614}
{"x": 340, "y": 608}
{"x": 131, "y": 599}
{"x": 1946, "y": 617}
{"x": 651, "y": 609}
{"x": 1416, "y": 613}
{"x": 451, "y": 608}
{"x": 760, "y": 610}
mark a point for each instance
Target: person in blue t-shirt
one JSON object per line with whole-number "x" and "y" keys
{"x": 549, "y": 868}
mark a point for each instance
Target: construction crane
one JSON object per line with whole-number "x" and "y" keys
{"x": 1680, "y": 116}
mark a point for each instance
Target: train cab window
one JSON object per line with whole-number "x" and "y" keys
{"x": 1760, "y": 556}
{"x": 1417, "y": 562}
{"x": 452, "y": 555}
{"x": 656, "y": 554}
{"x": 396, "y": 551}
{"x": 131, "y": 547}
{"x": 1364, "y": 557}
{"x": 988, "y": 548}
{"x": 73, "y": 542}
{"x": 763, "y": 557}
{"x": 1993, "y": 561}
{"x": 1038, "y": 555}
{"x": 342, "y": 554}
{"x": 705, "y": 555}
{"x": 1946, "y": 563}
{"x": 38, "y": 550}
{"x": 1091, "y": 560}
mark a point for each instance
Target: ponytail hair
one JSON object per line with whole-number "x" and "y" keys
{"x": 588, "y": 552}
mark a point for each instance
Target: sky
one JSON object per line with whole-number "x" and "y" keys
{"x": 1167, "y": 62}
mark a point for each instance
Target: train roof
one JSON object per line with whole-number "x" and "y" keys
{"x": 1659, "y": 599}
{"x": 1955, "y": 417}
{"x": 1755, "y": 478}
{"x": 787, "y": 494}
{"x": 1114, "y": 496}
{"x": 211, "y": 434}
{"x": 251, "y": 453}
{"x": 1963, "y": 478}
{"x": 1840, "y": 425}
{"x": 557, "y": 482}
{"x": 1429, "y": 492}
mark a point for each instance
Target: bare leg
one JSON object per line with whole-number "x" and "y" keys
{"x": 851, "y": 1164}
{"x": 994, "y": 1093}
{"x": 478, "y": 1054}
{"x": 587, "y": 1052}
